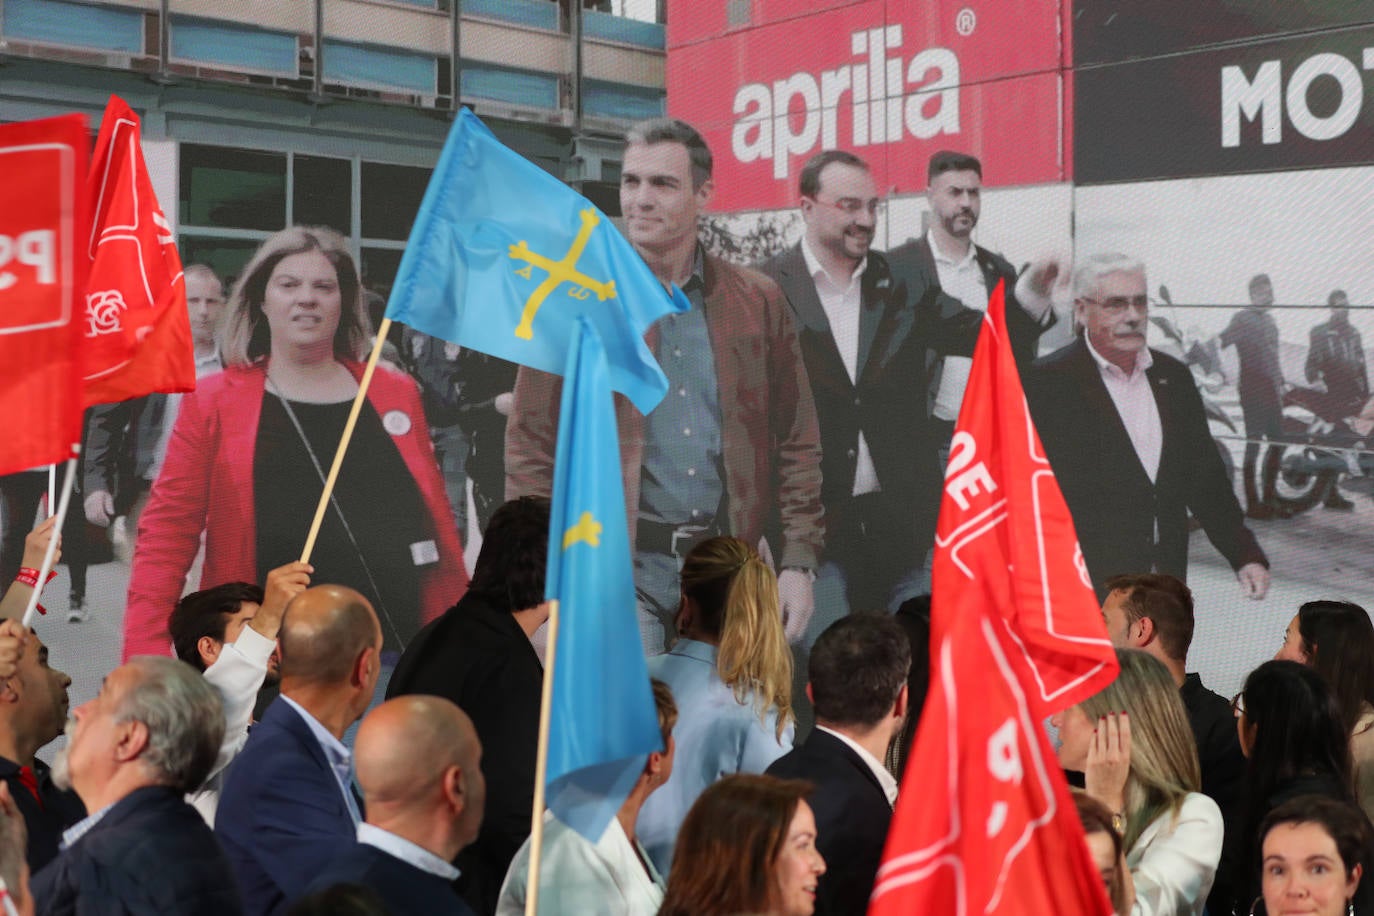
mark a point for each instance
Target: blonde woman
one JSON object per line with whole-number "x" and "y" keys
{"x": 251, "y": 446}
{"x": 1133, "y": 743}
{"x": 731, "y": 673}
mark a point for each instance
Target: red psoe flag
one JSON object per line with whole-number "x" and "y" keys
{"x": 984, "y": 823}
{"x": 43, "y": 225}
{"x": 137, "y": 330}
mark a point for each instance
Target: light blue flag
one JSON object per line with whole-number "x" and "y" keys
{"x": 504, "y": 258}
{"x": 603, "y": 723}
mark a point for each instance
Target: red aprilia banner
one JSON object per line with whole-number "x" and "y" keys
{"x": 43, "y": 221}
{"x": 890, "y": 80}
{"x": 137, "y": 330}
{"x": 1016, "y": 633}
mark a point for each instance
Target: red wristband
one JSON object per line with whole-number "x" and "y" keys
{"x": 29, "y": 576}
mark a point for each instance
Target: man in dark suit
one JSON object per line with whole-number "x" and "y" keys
{"x": 865, "y": 329}
{"x": 149, "y": 737}
{"x": 479, "y": 656}
{"x": 858, "y": 685}
{"x": 1124, "y": 430}
{"x": 288, "y": 804}
{"x": 417, "y": 760}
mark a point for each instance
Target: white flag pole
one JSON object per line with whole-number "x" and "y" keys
{"x": 62, "y": 503}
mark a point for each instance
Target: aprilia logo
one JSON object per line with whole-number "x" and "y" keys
{"x": 882, "y": 109}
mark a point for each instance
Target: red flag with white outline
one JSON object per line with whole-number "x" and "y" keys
{"x": 137, "y": 330}
{"x": 43, "y": 224}
{"x": 984, "y": 822}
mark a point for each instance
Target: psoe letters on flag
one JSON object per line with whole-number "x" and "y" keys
{"x": 504, "y": 258}
{"x": 1016, "y": 634}
{"x": 603, "y": 723}
{"x": 43, "y": 222}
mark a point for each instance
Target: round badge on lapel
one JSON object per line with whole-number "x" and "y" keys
{"x": 396, "y": 422}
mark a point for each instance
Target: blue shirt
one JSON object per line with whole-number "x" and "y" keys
{"x": 406, "y": 851}
{"x": 339, "y": 757}
{"x": 716, "y": 735}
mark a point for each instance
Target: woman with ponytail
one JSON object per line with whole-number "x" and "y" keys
{"x": 731, "y": 673}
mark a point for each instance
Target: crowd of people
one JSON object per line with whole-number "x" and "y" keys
{"x": 329, "y": 739}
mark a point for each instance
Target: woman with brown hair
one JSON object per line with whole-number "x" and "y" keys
{"x": 1107, "y": 849}
{"x": 251, "y": 446}
{"x": 731, "y": 672}
{"x": 747, "y": 846}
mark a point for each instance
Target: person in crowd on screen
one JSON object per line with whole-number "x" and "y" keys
{"x": 230, "y": 633}
{"x": 479, "y": 655}
{"x": 1255, "y": 335}
{"x": 1315, "y": 853}
{"x": 1107, "y": 851}
{"x": 734, "y": 448}
{"x": 1335, "y": 360}
{"x": 288, "y": 805}
{"x": 1124, "y": 431}
{"x": 252, "y": 445}
{"x": 857, "y": 684}
{"x": 126, "y": 442}
{"x": 417, "y": 761}
{"x": 147, "y": 739}
{"x": 1132, "y": 742}
{"x": 20, "y": 495}
{"x": 433, "y": 363}
{"x": 1295, "y": 742}
{"x": 14, "y": 867}
{"x": 747, "y": 846}
{"x": 731, "y": 673}
{"x": 613, "y": 876}
{"x": 33, "y": 712}
{"x": 1336, "y": 639}
{"x": 488, "y": 386}
{"x": 1153, "y": 612}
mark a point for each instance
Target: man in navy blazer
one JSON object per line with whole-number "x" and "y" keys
{"x": 417, "y": 760}
{"x": 857, "y": 682}
{"x": 149, "y": 737}
{"x": 288, "y": 805}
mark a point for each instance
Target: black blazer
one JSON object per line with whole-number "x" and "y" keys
{"x": 477, "y": 656}
{"x": 852, "y": 817}
{"x": 403, "y": 887}
{"x": 1113, "y": 503}
{"x": 150, "y": 854}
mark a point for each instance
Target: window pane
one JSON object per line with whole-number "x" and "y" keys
{"x": 323, "y": 193}
{"x": 379, "y": 272}
{"x": 391, "y": 198}
{"x": 232, "y": 188}
{"x": 226, "y": 257}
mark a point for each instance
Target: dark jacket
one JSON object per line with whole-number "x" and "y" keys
{"x": 1114, "y": 505}
{"x": 282, "y": 816}
{"x": 852, "y": 817}
{"x": 477, "y": 656}
{"x": 46, "y": 821}
{"x": 1223, "y": 769}
{"x": 403, "y": 887}
{"x": 150, "y": 854}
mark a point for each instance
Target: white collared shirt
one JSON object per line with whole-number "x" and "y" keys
{"x": 339, "y": 757}
{"x": 1135, "y": 403}
{"x": 885, "y": 779}
{"x": 963, "y": 279}
{"x": 406, "y": 851}
{"x": 82, "y": 827}
{"x": 842, "y": 304}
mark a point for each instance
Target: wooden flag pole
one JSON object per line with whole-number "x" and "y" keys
{"x": 333, "y": 477}
{"x": 541, "y": 765}
{"x": 62, "y": 504}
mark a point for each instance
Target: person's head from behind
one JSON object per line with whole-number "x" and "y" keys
{"x": 1107, "y": 850}
{"x": 155, "y": 721}
{"x": 509, "y": 572}
{"x": 1313, "y": 854}
{"x": 857, "y": 674}
{"x": 204, "y": 621}
{"x": 418, "y": 762}
{"x": 300, "y": 292}
{"x": 1150, "y": 611}
{"x": 658, "y": 769}
{"x": 1289, "y": 724}
{"x": 1164, "y": 763}
{"x": 748, "y": 845}
{"x": 205, "y": 302}
{"x": 341, "y": 900}
{"x": 665, "y": 184}
{"x": 33, "y": 701}
{"x": 14, "y": 842}
{"x": 730, "y": 600}
{"x": 330, "y": 644}
{"x": 1336, "y": 639}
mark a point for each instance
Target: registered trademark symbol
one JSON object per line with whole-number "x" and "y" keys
{"x": 965, "y": 22}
